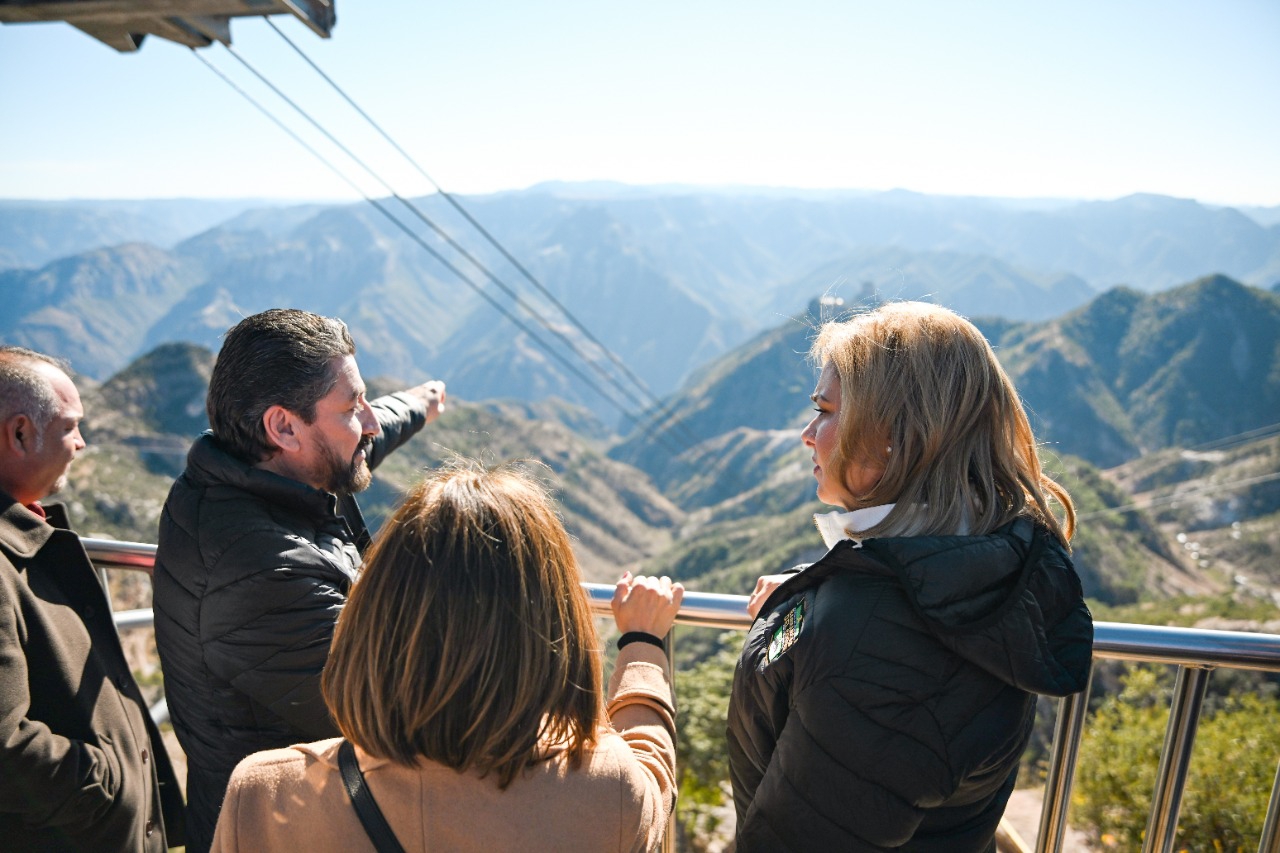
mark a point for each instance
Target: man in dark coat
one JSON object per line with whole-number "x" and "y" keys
{"x": 261, "y": 539}
{"x": 82, "y": 766}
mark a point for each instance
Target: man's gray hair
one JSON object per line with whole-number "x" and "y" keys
{"x": 24, "y": 390}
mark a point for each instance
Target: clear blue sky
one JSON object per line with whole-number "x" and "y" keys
{"x": 1024, "y": 99}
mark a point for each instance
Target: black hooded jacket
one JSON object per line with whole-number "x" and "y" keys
{"x": 252, "y": 571}
{"x": 885, "y": 694}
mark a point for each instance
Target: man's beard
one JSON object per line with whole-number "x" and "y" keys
{"x": 350, "y": 476}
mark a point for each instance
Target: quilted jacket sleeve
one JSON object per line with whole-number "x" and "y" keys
{"x": 268, "y": 632}
{"x": 401, "y": 416}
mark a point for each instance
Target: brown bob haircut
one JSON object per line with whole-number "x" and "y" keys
{"x": 923, "y": 394}
{"x": 468, "y": 639}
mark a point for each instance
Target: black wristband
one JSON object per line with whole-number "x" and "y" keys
{"x": 640, "y": 637}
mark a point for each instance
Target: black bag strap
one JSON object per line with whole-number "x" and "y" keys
{"x": 379, "y": 831}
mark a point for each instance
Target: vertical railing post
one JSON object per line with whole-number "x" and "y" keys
{"x": 1270, "y": 841}
{"x": 106, "y": 588}
{"x": 1062, "y": 769}
{"x": 669, "y": 840}
{"x": 1175, "y": 759}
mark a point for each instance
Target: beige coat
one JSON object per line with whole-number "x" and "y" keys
{"x": 619, "y": 798}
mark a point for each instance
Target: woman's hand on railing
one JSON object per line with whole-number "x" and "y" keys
{"x": 646, "y": 604}
{"x": 764, "y": 588}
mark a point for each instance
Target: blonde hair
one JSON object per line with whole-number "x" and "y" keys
{"x": 923, "y": 394}
{"x": 468, "y": 640}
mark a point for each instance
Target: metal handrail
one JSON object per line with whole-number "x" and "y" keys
{"x": 1195, "y": 647}
{"x": 1194, "y": 651}
{"x": 112, "y": 554}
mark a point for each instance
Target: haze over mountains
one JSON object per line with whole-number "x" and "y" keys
{"x": 32, "y": 233}
{"x": 668, "y": 279}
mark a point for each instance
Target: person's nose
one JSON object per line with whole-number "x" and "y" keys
{"x": 809, "y": 437}
{"x": 368, "y": 423}
{"x": 80, "y": 443}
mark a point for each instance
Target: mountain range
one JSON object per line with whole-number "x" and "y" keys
{"x": 33, "y": 233}
{"x": 1124, "y": 375}
{"x": 710, "y": 299}
{"x": 668, "y": 279}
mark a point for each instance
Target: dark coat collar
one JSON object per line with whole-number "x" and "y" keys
{"x": 22, "y": 532}
{"x": 209, "y": 465}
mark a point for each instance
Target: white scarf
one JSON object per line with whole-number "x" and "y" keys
{"x": 837, "y": 526}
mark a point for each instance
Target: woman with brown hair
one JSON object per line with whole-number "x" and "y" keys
{"x": 885, "y": 693}
{"x": 466, "y": 671}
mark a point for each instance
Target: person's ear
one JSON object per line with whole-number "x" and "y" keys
{"x": 281, "y": 426}
{"x": 19, "y": 435}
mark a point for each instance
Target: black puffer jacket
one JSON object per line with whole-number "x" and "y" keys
{"x": 885, "y": 694}
{"x": 252, "y": 570}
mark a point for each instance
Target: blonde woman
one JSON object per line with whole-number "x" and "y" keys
{"x": 885, "y": 693}
{"x": 466, "y": 672}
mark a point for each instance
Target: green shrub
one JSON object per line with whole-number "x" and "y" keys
{"x": 702, "y": 693}
{"x": 1228, "y": 787}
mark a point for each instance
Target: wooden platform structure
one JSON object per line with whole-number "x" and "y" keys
{"x": 123, "y": 24}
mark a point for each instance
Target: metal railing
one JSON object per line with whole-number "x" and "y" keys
{"x": 1195, "y": 652}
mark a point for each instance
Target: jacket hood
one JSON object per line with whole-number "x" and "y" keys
{"x": 1009, "y": 602}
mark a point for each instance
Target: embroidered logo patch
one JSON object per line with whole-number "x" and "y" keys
{"x": 786, "y": 634}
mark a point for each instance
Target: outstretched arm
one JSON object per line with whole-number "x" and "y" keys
{"x": 403, "y": 414}
{"x": 432, "y": 395}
